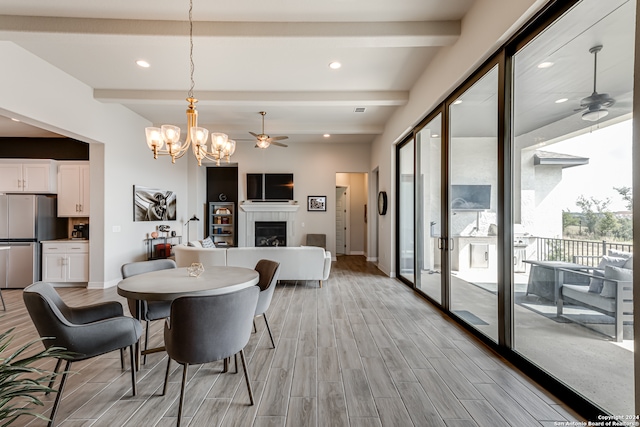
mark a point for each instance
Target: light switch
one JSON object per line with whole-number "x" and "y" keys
{"x": 115, "y": 228}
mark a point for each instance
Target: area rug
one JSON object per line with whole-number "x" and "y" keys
{"x": 470, "y": 318}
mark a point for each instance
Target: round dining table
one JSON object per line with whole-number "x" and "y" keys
{"x": 167, "y": 285}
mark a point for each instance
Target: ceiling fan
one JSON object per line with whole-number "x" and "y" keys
{"x": 264, "y": 141}
{"x": 595, "y": 106}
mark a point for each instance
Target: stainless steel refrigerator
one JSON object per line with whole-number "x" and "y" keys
{"x": 25, "y": 221}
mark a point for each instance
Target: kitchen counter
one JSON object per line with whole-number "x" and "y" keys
{"x": 65, "y": 240}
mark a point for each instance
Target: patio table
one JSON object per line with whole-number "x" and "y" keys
{"x": 545, "y": 277}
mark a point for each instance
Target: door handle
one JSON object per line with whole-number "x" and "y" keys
{"x": 452, "y": 244}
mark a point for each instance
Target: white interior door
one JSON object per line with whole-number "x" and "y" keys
{"x": 341, "y": 220}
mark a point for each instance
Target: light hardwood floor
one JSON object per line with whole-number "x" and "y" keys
{"x": 363, "y": 350}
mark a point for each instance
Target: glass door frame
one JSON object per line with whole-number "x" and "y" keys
{"x": 398, "y": 257}
{"x": 444, "y": 196}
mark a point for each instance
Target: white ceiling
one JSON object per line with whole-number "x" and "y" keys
{"x": 249, "y": 56}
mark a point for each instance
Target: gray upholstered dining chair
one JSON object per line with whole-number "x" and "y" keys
{"x": 87, "y": 331}
{"x": 268, "y": 271}
{"x": 151, "y": 310}
{"x": 203, "y": 329}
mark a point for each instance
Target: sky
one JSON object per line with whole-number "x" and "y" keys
{"x": 609, "y": 153}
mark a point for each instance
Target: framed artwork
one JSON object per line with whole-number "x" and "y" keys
{"x": 317, "y": 203}
{"x": 152, "y": 204}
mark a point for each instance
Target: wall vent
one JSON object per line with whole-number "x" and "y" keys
{"x": 359, "y": 110}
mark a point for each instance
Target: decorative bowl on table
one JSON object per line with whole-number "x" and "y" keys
{"x": 195, "y": 269}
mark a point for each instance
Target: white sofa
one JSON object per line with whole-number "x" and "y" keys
{"x": 296, "y": 263}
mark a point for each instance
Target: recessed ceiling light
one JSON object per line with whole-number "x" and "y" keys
{"x": 326, "y": 135}
{"x": 561, "y": 100}
{"x": 545, "y": 64}
{"x": 335, "y": 65}
{"x": 142, "y": 63}
{"x": 457, "y": 101}
{"x": 15, "y": 120}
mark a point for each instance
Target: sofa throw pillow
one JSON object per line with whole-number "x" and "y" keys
{"x": 195, "y": 244}
{"x": 629, "y": 263}
{"x": 614, "y": 273}
{"x": 619, "y": 254}
{"x": 595, "y": 284}
{"x": 208, "y": 243}
{"x": 613, "y": 261}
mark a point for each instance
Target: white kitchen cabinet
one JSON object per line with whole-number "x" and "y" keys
{"x": 28, "y": 176}
{"x": 73, "y": 189}
{"x": 65, "y": 261}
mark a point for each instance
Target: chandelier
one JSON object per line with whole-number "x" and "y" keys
{"x": 168, "y": 136}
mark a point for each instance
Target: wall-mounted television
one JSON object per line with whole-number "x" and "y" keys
{"x": 270, "y": 186}
{"x": 476, "y": 197}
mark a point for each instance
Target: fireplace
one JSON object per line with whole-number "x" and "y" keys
{"x": 282, "y": 212}
{"x": 271, "y": 233}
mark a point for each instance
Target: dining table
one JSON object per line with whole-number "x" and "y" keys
{"x": 167, "y": 285}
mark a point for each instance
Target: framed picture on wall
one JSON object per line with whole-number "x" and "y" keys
{"x": 317, "y": 203}
{"x": 152, "y": 204}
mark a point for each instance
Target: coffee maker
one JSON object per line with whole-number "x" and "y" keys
{"x": 80, "y": 231}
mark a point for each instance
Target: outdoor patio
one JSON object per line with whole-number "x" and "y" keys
{"x": 558, "y": 345}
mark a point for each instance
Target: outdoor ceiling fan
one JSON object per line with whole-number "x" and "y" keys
{"x": 595, "y": 106}
{"x": 264, "y": 141}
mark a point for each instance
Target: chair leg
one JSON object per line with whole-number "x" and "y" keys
{"x": 53, "y": 376}
{"x": 4, "y": 307}
{"x": 235, "y": 361}
{"x": 122, "y": 358}
{"x": 254, "y": 326}
{"x": 246, "y": 376}
{"x": 146, "y": 342}
{"x": 133, "y": 369}
{"x": 184, "y": 381}
{"x": 166, "y": 376}
{"x": 225, "y": 365}
{"x": 56, "y": 403}
{"x": 266, "y": 322}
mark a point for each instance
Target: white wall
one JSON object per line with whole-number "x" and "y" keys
{"x": 314, "y": 168}
{"x": 41, "y": 95}
{"x": 485, "y": 27}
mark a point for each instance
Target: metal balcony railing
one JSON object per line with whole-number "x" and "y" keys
{"x": 583, "y": 252}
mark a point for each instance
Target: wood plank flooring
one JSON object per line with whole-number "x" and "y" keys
{"x": 363, "y": 350}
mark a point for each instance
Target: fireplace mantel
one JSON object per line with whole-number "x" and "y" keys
{"x": 268, "y": 211}
{"x": 269, "y": 206}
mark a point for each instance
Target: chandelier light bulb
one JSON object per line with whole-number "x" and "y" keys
{"x": 154, "y": 138}
{"x": 199, "y": 137}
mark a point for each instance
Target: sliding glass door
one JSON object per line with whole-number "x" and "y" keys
{"x": 572, "y": 133}
{"x": 406, "y": 226}
{"x": 429, "y": 213}
{"x": 473, "y": 204}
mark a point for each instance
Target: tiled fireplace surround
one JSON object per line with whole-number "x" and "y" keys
{"x": 268, "y": 211}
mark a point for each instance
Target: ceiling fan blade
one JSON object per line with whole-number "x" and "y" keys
{"x": 279, "y": 144}
{"x": 278, "y": 138}
{"x": 254, "y": 134}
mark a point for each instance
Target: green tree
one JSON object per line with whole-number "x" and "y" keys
{"x": 569, "y": 219}
{"x": 624, "y": 231}
{"x": 592, "y": 211}
{"x": 607, "y": 224}
{"x": 626, "y": 194}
